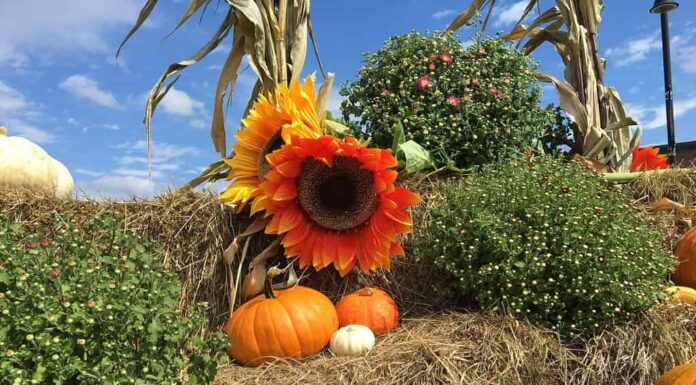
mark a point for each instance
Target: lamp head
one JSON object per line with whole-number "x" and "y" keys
{"x": 663, "y": 6}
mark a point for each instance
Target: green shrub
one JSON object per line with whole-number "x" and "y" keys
{"x": 482, "y": 103}
{"x": 548, "y": 241}
{"x": 93, "y": 305}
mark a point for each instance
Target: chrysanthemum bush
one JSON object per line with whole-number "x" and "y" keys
{"x": 548, "y": 241}
{"x": 466, "y": 106}
{"x": 93, "y": 305}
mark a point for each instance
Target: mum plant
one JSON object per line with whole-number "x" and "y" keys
{"x": 466, "y": 106}
{"x": 93, "y": 305}
{"x": 547, "y": 241}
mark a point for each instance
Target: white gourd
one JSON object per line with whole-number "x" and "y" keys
{"x": 352, "y": 340}
{"x": 24, "y": 164}
{"x": 63, "y": 183}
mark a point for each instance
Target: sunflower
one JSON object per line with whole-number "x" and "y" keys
{"x": 272, "y": 121}
{"x": 648, "y": 158}
{"x": 335, "y": 202}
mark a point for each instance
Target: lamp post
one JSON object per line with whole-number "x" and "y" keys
{"x": 663, "y": 7}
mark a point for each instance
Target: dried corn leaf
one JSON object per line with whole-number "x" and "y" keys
{"x": 144, "y": 13}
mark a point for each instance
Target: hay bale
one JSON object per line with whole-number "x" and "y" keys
{"x": 677, "y": 184}
{"x": 483, "y": 348}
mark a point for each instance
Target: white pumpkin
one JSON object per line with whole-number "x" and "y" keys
{"x": 352, "y": 340}
{"x": 24, "y": 164}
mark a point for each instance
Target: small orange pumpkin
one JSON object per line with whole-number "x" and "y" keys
{"x": 679, "y": 375}
{"x": 291, "y": 323}
{"x": 685, "y": 272}
{"x": 369, "y": 307}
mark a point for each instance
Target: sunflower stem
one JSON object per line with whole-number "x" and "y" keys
{"x": 625, "y": 177}
{"x": 280, "y": 40}
{"x": 268, "y": 287}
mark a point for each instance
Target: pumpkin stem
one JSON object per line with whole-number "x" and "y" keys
{"x": 3, "y": 131}
{"x": 268, "y": 287}
{"x": 366, "y": 292}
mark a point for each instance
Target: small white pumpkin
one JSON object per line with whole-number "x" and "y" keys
{"x": 24, "y": 164}
{"x": 352, "y": 340}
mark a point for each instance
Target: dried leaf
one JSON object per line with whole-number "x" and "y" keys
{"x": 666, "y": 204}
{"x": 144, "y": 13}
{"x": 467, "y": 14}
{"x": 324, "y": 94}
{"x": 193, "y": 6}
{"x": 228, "y": 78}
{"x": 591, "y": 164}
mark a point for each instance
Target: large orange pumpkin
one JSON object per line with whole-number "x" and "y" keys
{"x": 291, "y": 323}
{"x": 679, "y": 375}
{"x": 685, "y": 272}
{"x": 370, "y": 307}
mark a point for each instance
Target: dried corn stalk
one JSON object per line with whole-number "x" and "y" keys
{"x": 602, "y": 126}
{"x": 271, "y": 34}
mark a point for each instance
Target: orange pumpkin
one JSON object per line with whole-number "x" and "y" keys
{"x": 685, "y": 272}
{"x": 291, "y": 323}
{"x": 370, "y": 307}
{"x": 679, "y": 375}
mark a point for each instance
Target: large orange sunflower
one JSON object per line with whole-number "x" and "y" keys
{"x": 272, "y": 122}
{"x": 335, "y": 202}
{"x": 648, "y": 158}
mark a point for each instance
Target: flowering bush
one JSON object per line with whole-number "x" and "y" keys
{"x": 466, "y": 106}
{"x": 548, "y": 241}
{"x": 93, "y": 306}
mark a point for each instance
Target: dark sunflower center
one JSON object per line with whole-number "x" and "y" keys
{"x": 339, "y": 197}
{"x": 274, "y": 143}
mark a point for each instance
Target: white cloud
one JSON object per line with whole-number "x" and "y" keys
{"x": 113, "y": 127}
{"x": 131, "y": 176}
{"x": 509, "y": 14}
{"x": 46, "y": 27}
{"x": 88, "y": 88}
{"x": 687, "y": 58}
{"x": 199, "y": 124}
{"x": 161, "y": 153}
{"x": 178, "y": 102}
{"x": 442, "y": 14}
{"x": 651, "y": 117}
{"x": 118, "y": 186}
{"x": 635, "y": 50}
{"x": 15, "y": 109}
{"x": 221, "y": 48}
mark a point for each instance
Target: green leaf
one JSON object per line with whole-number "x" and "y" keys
{"x": 335, "y": 128}
{"x": 38, "y": 375}
{"x": 398, "y": 137}
{"x": 416, "y": 157}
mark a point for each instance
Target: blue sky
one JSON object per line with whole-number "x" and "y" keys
{"x": 61, "y": 87}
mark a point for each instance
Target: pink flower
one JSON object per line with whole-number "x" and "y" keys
{"x": 446, "y": 58}
{"x": 55, "y": 273}
{"x": 424, "y": 82}
{"x": 500, "y": 95}
{"x": 433, "y": 56}
{"x": 453, "y": 101}
{"x": 43, "y": 243}
{"x": 431, "y": 66}
{"x": 475, "y": 82}
{"x": 385, "y": 92}
{"x": 31, "y": 245}
{"x": 91, "y": 303}
{"x": 492, "y": 90}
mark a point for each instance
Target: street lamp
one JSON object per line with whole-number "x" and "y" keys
{"x": 662, "y": 7}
